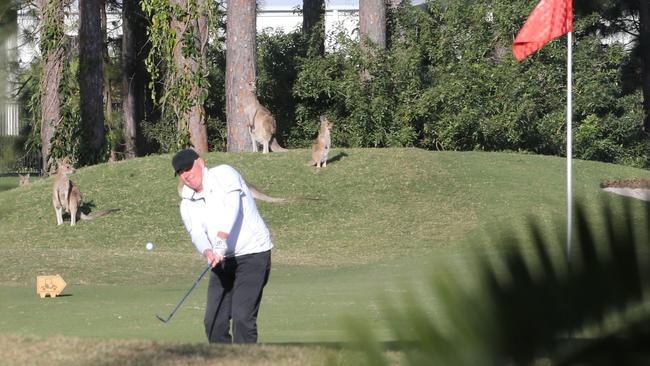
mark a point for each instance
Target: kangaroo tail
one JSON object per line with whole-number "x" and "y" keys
{"x": 94, "y": 215}
{"x": 259, "y": 195}
{"x": 275, "y": 146}
{"x": 307, "y": 199}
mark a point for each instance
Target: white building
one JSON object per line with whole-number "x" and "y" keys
{"x": 9, "y": 109}
{"x": 273, "y": 15}
{"x": 284, "y": 15}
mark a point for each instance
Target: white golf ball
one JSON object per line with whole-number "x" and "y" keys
{"x": 149, "y": 246}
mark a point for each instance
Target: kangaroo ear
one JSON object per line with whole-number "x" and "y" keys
{"x": 323, "y": 119}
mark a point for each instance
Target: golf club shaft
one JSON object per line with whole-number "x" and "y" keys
{"x": 205, "y": 270}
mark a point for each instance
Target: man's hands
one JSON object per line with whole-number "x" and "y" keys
{"x": 212, "y": 257}
{"x": 217, "y": 253}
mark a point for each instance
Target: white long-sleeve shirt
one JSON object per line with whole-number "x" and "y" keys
{"x": 225, "y": 204}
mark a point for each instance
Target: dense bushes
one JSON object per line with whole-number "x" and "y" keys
{"x": 448, "y": 81}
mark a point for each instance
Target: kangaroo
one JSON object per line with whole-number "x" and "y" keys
{"x": 320, "y": 148}
{"x": 66, "y": 196}
{"x": 261, "y": 124}
{"x": 24, "y": 180}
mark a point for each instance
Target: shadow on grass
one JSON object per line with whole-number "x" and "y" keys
{"x": 337, "y": 157}
{"x": 87, "y": 207}
{"x": 153, "y": 353}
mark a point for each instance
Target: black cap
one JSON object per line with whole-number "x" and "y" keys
{"x": 183, "y": 160}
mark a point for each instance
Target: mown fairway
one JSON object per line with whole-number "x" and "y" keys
{"x": 368, "y": 227}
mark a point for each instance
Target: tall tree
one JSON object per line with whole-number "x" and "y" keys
{"x": 91, "y": 77}
{"x": 240, "y": 70}
{"x": 372, "y": 22}
{"x": 372, "y": 29}
{"x": 51, "y": 45}
{"x": 178, "y": 35}
{"x": 190, "y": 66}
{"x": 108, "y": 85}
{"x": 313, "y": 24}
{"x": 133, "y": 76}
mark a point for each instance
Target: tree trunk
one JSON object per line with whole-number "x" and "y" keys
{"x": 51, "y": 13}
{"x": 372, "y": 22}
{"x": 133, "y": 74}
{"x": 91, "y": 76}
{"x": 644, "y": 40}
{"x": 108, "y": 87}
{"x": 313, "y": 24}
{"x": 240, "y": 70}
{"x": 187, "y": 67}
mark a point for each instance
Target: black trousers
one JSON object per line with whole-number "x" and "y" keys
{"x": 235, "y": 293}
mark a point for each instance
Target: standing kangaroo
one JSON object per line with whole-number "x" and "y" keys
{"x": 320, "y": 148}
{"x": 66, "y": 196}
{"x": 261, "y": 124}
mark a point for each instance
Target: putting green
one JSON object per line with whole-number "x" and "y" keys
{"x": 299, "y": 305}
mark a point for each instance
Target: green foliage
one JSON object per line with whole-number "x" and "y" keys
{"x": 278, "y": 58}
{"x": 362, "y": 111}
{"x": 52, "y": 30}
{"x": 179, "y": 89}
{"x": 215, "y": 102}
{"x": 448, "y": 81}
{"x": 29, "y": 97}
{"x": 10, "y": 151}
{"x": 67, "y": 140}
{"x": 164, "y": 133}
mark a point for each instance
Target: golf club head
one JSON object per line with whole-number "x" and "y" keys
{"x": 162, "y": 319}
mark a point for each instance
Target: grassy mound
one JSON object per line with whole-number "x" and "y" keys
{"x": 366, "y": 227}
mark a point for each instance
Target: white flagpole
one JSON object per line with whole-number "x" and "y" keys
{"x": 569, "y": 151}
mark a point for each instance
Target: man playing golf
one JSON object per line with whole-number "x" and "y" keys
{"x": 219, "y": 213}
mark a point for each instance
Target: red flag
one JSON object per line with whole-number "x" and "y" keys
{"x": 549, "y": 19}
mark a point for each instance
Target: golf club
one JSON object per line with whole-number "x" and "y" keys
{"x": 165, "y": 320}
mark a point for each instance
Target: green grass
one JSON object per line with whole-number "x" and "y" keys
{"x": 7, "y": 183}
{"x": 369, "y": 226}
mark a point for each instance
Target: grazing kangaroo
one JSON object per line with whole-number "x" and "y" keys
{"x": 261, "y": 124}
{"x": 66, "y": 196}
{"x": 320, "y": 148}
{"x": 24, "y": 180}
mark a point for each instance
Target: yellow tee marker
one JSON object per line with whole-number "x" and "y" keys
{"x": 49, "y": 285}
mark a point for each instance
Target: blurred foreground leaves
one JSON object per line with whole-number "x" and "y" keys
{"x": 587, "y": 308}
